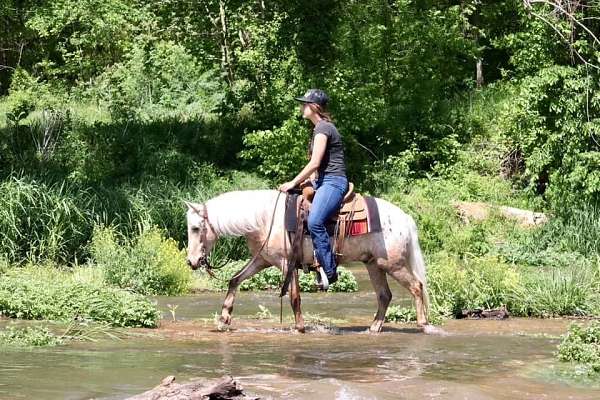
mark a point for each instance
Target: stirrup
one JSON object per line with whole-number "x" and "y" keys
{"x": 322, "y": 281}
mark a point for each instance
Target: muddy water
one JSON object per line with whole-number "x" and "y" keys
{"x": 477, "y": 359}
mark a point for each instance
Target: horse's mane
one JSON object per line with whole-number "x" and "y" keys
{"x": 240, "y": 212}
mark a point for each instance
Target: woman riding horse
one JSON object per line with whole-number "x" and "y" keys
{"x": 328, "y": 170}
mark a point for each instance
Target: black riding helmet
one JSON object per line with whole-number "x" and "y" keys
{"x": 314, "y": 96}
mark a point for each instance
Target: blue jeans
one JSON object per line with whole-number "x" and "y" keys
{"x": 330, "y": 191}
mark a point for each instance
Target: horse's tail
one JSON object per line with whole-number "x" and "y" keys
{"x": 417, "y": 263}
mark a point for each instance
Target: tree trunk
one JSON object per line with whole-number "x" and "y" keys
{"x": 479, "y": 67}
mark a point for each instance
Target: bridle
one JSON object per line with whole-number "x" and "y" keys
{"x": 204, "y": 261}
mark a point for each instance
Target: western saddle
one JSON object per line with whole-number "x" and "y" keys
{"x": 351, "y": 219}
{"x": 357, "y": 215}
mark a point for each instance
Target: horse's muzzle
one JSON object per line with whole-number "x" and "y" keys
{"x": 202, "y": 262}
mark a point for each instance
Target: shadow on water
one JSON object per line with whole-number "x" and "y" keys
{"x": 336, "y": 359}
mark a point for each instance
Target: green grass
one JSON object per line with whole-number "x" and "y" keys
{"x": 41, "y": 221}
{"x": 53, "y": 294}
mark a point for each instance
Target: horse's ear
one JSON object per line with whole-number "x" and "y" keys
{"x": 194, "y": 206}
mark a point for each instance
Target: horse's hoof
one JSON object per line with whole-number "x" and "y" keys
{"x": 300, "y": 329}
{"x": 433, "y": 330}
{"x": 375, "y": 329}
{"x": 222, "y": 327}
{"x": 224, "y": 324}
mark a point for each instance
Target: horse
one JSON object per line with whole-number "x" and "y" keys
{"x": 258, "y": 215}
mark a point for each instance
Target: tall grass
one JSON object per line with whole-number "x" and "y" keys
{"x": 55, "y": 221}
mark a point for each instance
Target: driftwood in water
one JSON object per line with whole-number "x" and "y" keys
{"x": 478, "y": 211}
{"x": 497, "y": 313}
{"x": 223, "y": 389}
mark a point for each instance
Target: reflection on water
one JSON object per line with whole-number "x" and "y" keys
{"x": 478, "y": 360}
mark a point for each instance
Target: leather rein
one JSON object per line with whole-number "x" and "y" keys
{"x": 204, "y": 261}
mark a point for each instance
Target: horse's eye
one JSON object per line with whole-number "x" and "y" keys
{"x": 195, "y": 229}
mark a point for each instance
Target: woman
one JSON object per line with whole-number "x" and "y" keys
{"x": 328, "y": 170}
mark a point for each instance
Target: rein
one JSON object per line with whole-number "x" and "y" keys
{"x": 209, "y": 268}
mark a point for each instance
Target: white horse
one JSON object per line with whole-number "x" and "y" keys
{"x": 394, "y": 251}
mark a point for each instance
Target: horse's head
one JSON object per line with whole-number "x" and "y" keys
{"x": 201, "y": 236}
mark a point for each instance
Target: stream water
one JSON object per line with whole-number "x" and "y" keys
{"x": 510, "y": 359}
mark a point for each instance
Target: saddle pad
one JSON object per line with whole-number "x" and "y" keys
{"x": 291, "y": 219}
{"x": 373, "y": 214}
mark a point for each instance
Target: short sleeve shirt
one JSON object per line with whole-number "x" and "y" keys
{"x": 333, "y": 162}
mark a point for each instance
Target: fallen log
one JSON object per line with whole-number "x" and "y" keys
{"x": 468, "y": 210}
{"x": 478, "y": 313}
{"x": 226, "y": 388}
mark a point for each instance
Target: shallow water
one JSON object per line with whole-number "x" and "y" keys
{"x": 509, "y": 359}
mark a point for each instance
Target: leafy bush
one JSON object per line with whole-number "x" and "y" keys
{"x": 553, "y": 123}
{"x": 393, "y": 173}
{"x": 161, "y": 81}
{"x": 266, "y": 147}
{"x": 396, "y": 313}
{"x": 582, "y": 345}
{"x": 49, "y": 293}
{"x": 346, "y": 282}
{"x": 473, "y": 283}
{"x": 29, "y": 336}
{"x": 150, "y": 264}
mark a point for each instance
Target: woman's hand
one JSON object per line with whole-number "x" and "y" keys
{"x": 287, "y": 186}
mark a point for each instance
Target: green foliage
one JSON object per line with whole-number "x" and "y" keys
{"x": 456, "y": 284}
{"x": 266, "y": 147}
{"x": 552, "y": 121}
{"x": 581, "y": 345}
{"x": 39, "y": 222}
{"x": 86, "y": 36}
{"x": 29, "y": 336}
{"x": 46, "y": 221}
{"x": 270, "y": 278}
{"x": 392, "y": 174}
{"x": 161, "y": 81}
{"x": 49, "y": 293}
{"x": 558, "y": 292}
{"x": 396, "y": 313}
{"x": 151, "y": 264}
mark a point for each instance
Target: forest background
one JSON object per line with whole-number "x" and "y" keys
{"x": 112, "y": 112}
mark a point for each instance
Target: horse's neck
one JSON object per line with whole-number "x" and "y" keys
{"x": 240, "y": 213}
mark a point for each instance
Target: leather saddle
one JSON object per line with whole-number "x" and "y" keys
{"x": 357, "y": 215}
{"x": 353, "y": 206}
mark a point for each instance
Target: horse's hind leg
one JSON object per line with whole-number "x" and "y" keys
{"x": 384, "y": 295}
{"x": 250, "y": 269}
{"x": 295, "y": 301}
{"x": 407, "y": 279}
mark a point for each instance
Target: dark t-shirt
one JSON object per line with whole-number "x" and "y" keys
{"x": 333, "y": 159}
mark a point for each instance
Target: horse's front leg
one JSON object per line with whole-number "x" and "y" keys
{"x": 295, "y": 301}
{"x": 255, "y": 265}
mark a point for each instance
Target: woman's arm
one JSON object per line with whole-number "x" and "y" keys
{"x": 319, "y": 146}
